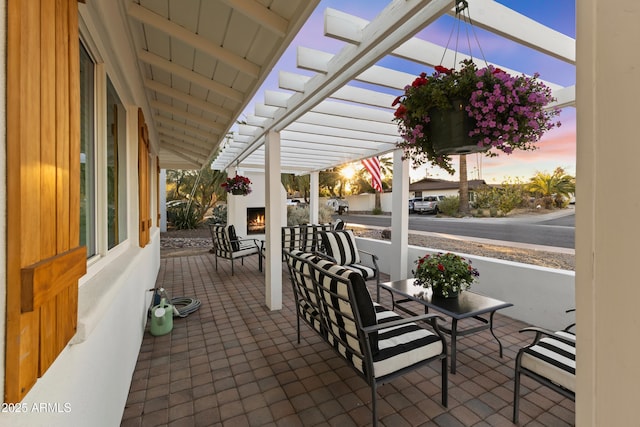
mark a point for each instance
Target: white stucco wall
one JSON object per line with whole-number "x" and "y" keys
{"x": 88, "y": 383}
{"x": 540, "y": 296}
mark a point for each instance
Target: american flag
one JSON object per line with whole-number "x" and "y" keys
{"x": 373, "y": 166}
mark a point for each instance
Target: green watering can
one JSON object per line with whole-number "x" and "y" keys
{"x": 161, "y": 318}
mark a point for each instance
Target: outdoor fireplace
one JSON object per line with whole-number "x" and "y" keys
{"x": 255, "y": 221}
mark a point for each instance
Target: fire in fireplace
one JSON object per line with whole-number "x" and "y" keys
{"x": 255, "y": 221}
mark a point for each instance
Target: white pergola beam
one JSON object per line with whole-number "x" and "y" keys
{"x": 399, "y": 21}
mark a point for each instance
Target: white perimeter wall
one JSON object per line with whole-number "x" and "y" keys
{"x": 540, "y": 296}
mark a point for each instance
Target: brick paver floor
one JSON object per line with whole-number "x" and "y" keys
{"x": 236, "y": 363}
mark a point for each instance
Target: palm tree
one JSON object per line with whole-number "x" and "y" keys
{"x": 464, "y": 186}
{"x": 555, "y": 187}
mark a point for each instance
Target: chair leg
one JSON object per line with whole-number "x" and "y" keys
{"x": 374, "y": 406}
{"x": 232, "y": 267}
{"x": 445, "y": 383}
{"x": 516, "y": 391}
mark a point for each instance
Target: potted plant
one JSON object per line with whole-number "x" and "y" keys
{"x": 238, "y": 185}
{"x": 491, "y": 109}
{"x": 447, "y": 274}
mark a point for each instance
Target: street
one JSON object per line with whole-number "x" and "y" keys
{"x": 556, "y": 229}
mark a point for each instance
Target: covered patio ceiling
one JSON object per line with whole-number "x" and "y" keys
{"x": 204, "y": 61}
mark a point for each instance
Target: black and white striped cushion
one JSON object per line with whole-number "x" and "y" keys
{"x": 339, "y": 311}
{"x": 365, "y": 271}
{"x": 341, "y": 245}
{"x": 291, "y": 238}
{"x": 403, "y": 345}
{"x": 553, "y": 359}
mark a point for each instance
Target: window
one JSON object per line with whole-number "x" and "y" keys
{"x": 116, "y": 168}
{"x": 87, "y": 153}
{"x": 103, "y": 160}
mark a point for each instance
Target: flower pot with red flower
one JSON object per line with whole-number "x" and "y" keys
{"x": 238, "y": 185}
{"x": 471, "y": 110}
{"x": 447, "y": 274}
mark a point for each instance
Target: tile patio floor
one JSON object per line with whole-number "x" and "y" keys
{"x": 235, "y": 363}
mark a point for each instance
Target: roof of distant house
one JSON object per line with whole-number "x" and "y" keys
{"x": 427, "y": 184}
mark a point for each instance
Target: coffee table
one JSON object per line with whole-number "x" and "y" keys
{"x": 468, "y": 305}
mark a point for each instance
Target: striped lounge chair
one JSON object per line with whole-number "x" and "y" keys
{"x": 377, "y": 343}
{"x": 550, "y": 360}
{"x": 340, "y": 246}
{"x": 227, "y": 245}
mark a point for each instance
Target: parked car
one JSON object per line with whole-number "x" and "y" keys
{"x": 428, "y": 204}
{"x": 338, "y": 205}
{"x": 411, "y": 203}
{"x": 294, "y": 202}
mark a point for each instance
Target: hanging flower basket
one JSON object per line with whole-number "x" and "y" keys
{"x": 238, "y": 185}
{"x": 505, "y": 113}
{"x": 450, "y": 130}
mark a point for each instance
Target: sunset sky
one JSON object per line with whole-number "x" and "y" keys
{"x": 556, "y": 149}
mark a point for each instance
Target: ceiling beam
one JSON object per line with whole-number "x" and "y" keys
{"x": 190, "y": 76}
{"x": 169, "y": 123}
{"x": 188, "y": 99}
{"x": 261, "y": 15}
{"x": 204, "y": 147}
{"x": 199, "y": 43}
{"x": 217, "y": 127}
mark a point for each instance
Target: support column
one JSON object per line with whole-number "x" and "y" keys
{"x": 607, "y": 153}
{"x": 314, "y": 199}
{"x": 399, "y": 217}
{"x": 273, "y": 220}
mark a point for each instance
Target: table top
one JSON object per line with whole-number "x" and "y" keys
{"x": 468, "y": 304}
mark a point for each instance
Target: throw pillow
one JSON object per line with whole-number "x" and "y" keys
{"x": 341, "y": 246}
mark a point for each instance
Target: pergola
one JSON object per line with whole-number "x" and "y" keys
{"x": 202, "y": 62}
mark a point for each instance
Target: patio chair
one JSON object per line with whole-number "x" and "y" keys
{"x": 550, "y": 360}
{"x": 305, "y": 296}
{"x": 377, "y": 343}
{"x": 340, "y": 246}
{"x": 227, "y": 245}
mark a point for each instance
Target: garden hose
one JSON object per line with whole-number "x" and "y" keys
{"x": 182, "y": 306}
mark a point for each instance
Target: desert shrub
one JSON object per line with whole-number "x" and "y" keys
{"x": 218, "y": 214}
{"x": 450, "y": 205}
{"x": 505, "y": 198}
{"x": 297, "y": 215}
{"x": 185, "y": 219}
{"x": 376, "y": 211}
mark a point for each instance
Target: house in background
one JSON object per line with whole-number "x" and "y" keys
{"x": 441, "y": 187}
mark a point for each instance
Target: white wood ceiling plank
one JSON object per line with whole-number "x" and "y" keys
{"x": 189, "y": 99}
{"x": 175, "y": 124}
{"x": 202, "y": 145}
{"x": 261, "y": 15}
{"x": 227, "y": 56}
{"x": 187, "y": 74}
{"x": 215, "y": 127}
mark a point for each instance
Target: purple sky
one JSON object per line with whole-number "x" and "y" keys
{"x": 557, "y": 148}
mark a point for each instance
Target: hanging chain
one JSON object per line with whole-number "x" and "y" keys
{"x": 462, "y": 14}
